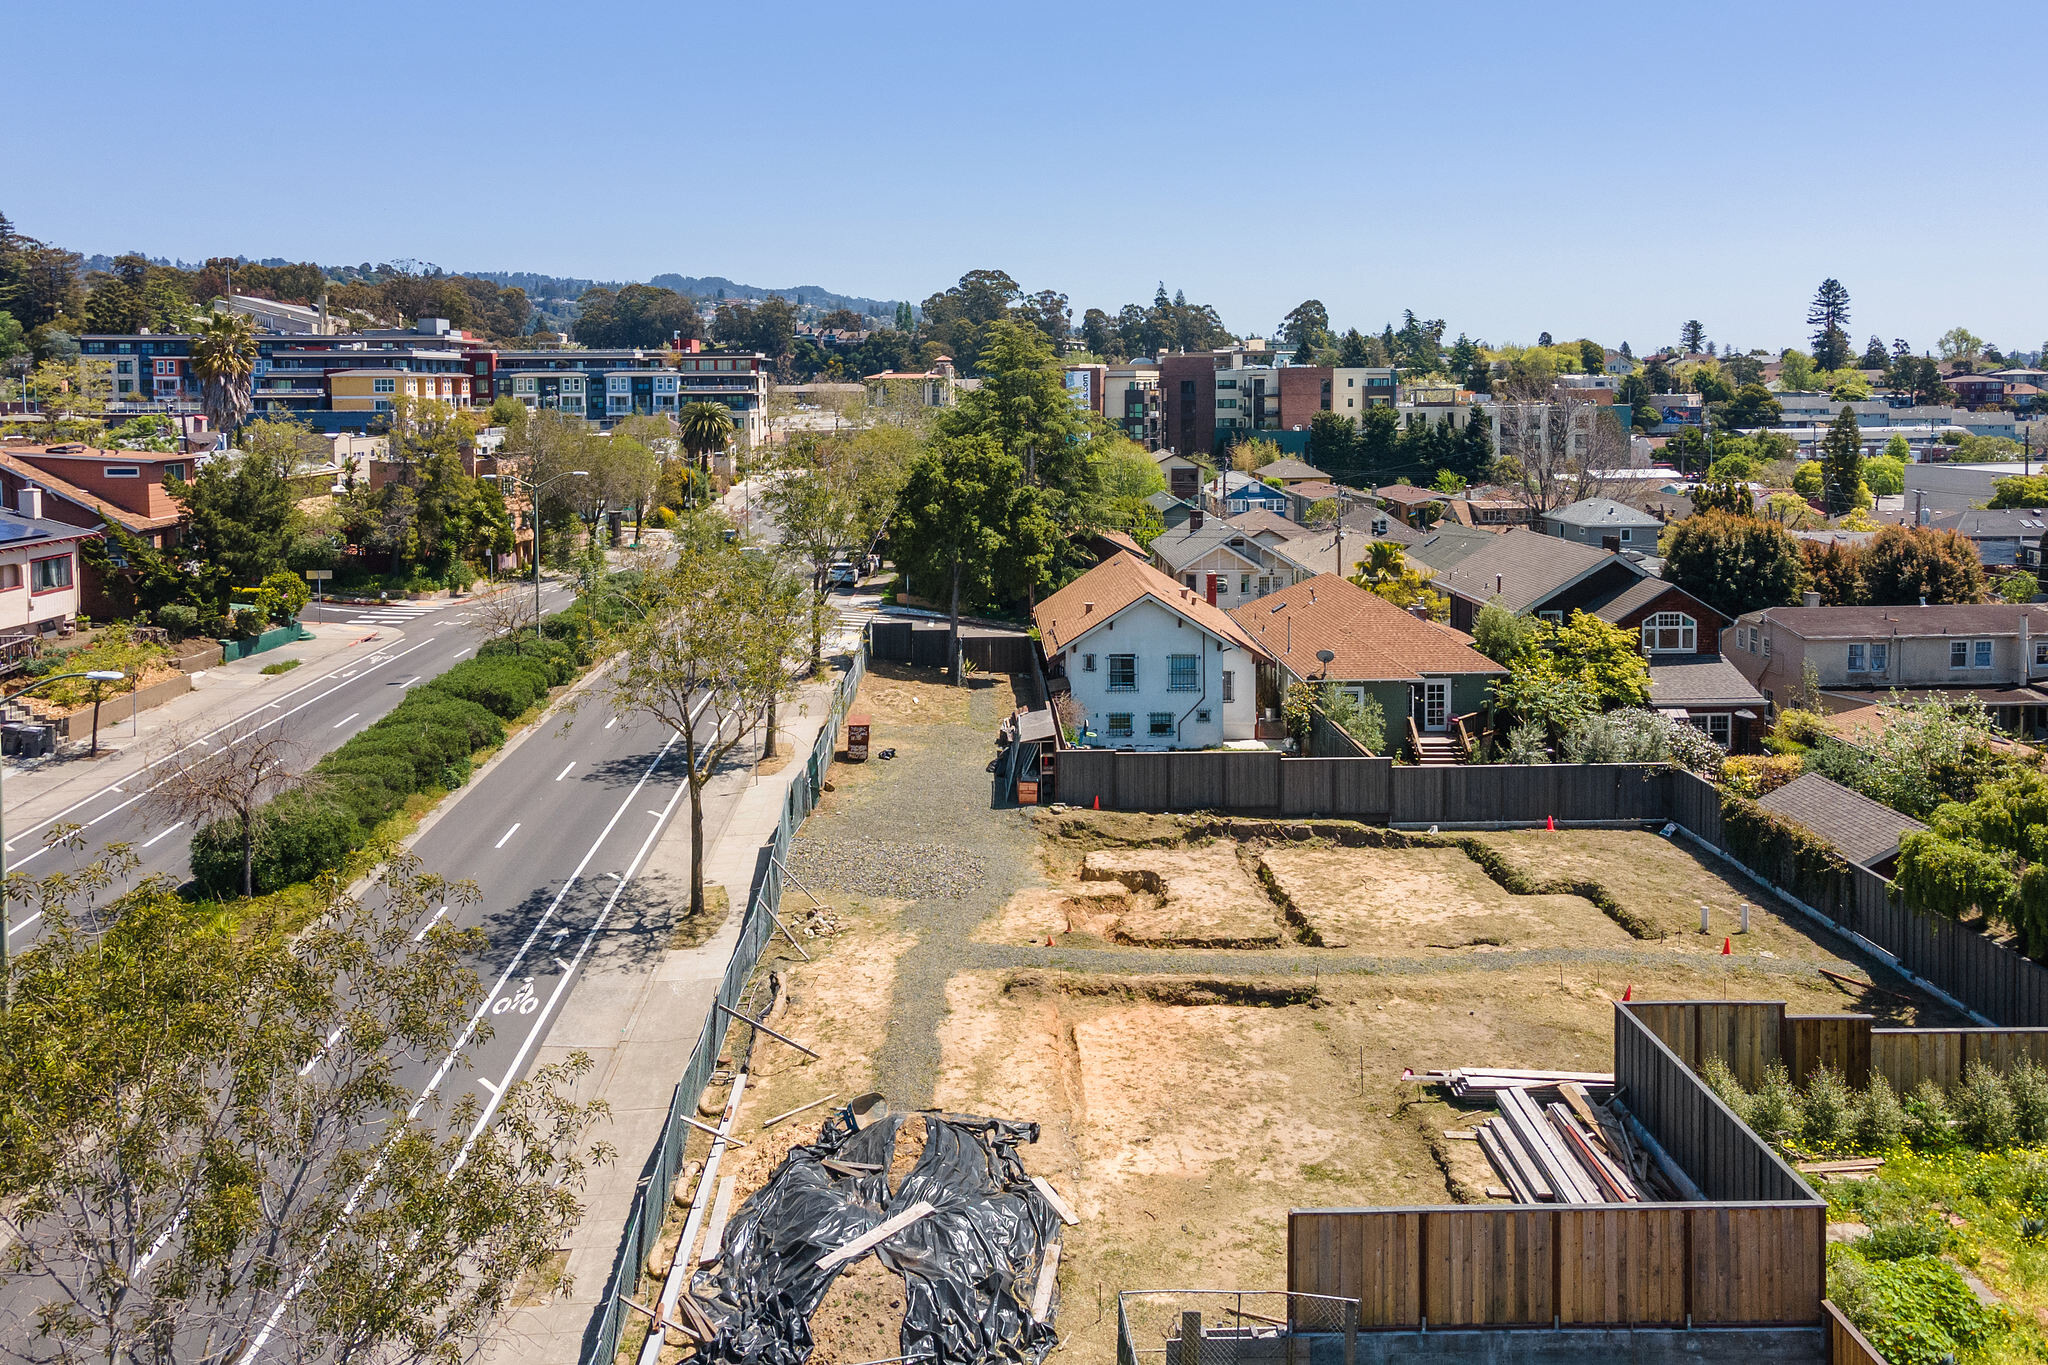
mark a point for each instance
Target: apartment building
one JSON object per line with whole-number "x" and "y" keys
{"x": 1994, "y": 652}
{"x": 938, "y": 387}
{"x": 602, "y": 386}
{"x": 1210, "y": 398}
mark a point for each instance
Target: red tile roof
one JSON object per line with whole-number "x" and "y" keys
{"x": 1118, "y": 582}
{"x": 1374, "y": 640}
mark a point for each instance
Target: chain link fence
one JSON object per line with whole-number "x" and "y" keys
{"x": 1224, "y": 1326}
{"x": 643, "y": 1226}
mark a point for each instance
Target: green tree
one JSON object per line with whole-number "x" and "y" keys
{"x": 224, "y": 361}
{"x": 832, "y": 498}
{"x": 1306, "y": 329}
{"x": 969, "y": 524}
{"x": 1752, "y": 406}
{"x": 1735, "y": 564}
{"x": 1024, "y": 407}
{"x": 1835, "y": 571}
{"x": 1333, "y": 443}
{"x": 1502, "y": 636}
{"x": 1808, "y": 479}
{"x": 641, "y": 315}
{"x": 2028, "y": 491}
{"x": 1829, "y": 317}
{"x": 2019, "y": 586}
{"x": 1592, "y": 357}
{"x": 1961, "y": 347}
{"x": 1379, "y": 435}
{"x": 1903, "y": 564}
{"x": 715, "y": 625}
{"x": 206, "y": 1128}
{"x": 1841, "y": 463}
{"x": 1796, "y": 371}
{"x": 705, "y": 429}
{"x": 1875, "y": 356}
{"x": 240, "y": 514}
{"x": 1885, "y": 474}
{"x": 1692, "y": 338}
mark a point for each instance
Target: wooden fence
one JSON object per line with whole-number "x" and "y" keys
{"x": 1509, "y": 794}
{"x": 1540, "y": 1265}
{"x": 924, "y": 646}
{"x": 1846, "y": 1345}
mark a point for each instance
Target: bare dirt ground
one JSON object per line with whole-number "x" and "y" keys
{"x": 1209, "y": 1022}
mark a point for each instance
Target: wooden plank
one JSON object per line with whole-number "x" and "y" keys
{"x": 1518, "y": 1188}
{"x": 1048, "y": 1279}
{"x": 875, "y": 1236}
{"x": 1614, "y": 1187}
{"x": 1534, "y": 1174}
{"x": 1059, "y": 1205}
{"x": 714, "y": 1231}
{"x": 1560, "y": 1168}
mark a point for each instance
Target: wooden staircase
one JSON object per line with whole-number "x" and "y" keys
{"x": 1433, "y": 751}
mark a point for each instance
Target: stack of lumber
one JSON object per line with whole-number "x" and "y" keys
{"x": 1541, "y": 1085}
{"x": 1568, "y": 1151}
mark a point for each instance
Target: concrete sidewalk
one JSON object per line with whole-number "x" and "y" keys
{"x": 39, "y": 788}
{"x": 639, "y": 1006}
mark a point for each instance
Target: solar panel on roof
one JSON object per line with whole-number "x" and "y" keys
{"x": 17, "y": 530}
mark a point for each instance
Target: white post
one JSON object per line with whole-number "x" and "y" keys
{"x": 1703, "y": 917}
{"x": 1745, "y": 917}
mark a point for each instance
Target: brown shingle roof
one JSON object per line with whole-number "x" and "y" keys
{"x": 1289, "y": 468}
{"x": 1119, "y": 582}
{"x": 1860, "y": 829}
{"x": 1259, "y": 520}
{"x": 1374, "y": 640}
{"x": 1954, "y": 618}
{"x": 1520, "y": 566}
{"x": 133, "y": 522}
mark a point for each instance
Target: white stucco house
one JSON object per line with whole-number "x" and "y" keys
{"x": 1152, "y": 663}
{"x": 39, "y": 570}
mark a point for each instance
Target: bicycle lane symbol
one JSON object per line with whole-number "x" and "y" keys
{"x": 521, "y": 1001}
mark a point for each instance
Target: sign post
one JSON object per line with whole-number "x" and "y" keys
{"x": 318, "y": 578}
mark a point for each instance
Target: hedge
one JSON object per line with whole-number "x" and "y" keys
{"x": 428, "y": 741}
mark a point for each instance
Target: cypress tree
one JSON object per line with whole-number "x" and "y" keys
{"x": 1841, "y": 463}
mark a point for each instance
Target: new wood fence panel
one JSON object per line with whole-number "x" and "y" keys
{"x": 2002, "y": 1049}
{"x": 1745, "y": 1035}
{"x": 1672, "y": 1022}
{"x": 1372, "y": 1255}
{"x": 1846, "y": 1345}
{"x": 1484, "y": 1267}
{"x": 1081, "y": 777}
{"x": 1906, "y": 1057}
{"x": 1622, "y": 1264}
{"x": 1842, "y": 1041}
{"x": 1756, "y": 1265}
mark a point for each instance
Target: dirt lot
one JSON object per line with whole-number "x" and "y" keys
{"x": 1210, "y": 1021}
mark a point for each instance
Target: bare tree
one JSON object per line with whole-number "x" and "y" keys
{"x": 233, "y": 776}
{"x": 1559, "y": 444}
{"x": 506, "y": 612}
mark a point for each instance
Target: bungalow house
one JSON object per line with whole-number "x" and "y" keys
{"x": 1234, "y": 491}
{"x": 1606, "y": 523}
{"x": 1490, "y": 507}
{"x": 1528, "y": 573}
{"x": 39, "y": 574}
{"x": 1993, "y": 652}
{"x": 1268, "y": 528}
{"x": 1183, "y": 476}
{"x": 88, "y": 488}
{"x": 1221, "y": 562}
{"x": 1409, "y": 503}
{"x": 1303, "y": 497}
{"x": 1151, "y": 663}
{"x": 1416, "y": 669}
{"x": 1289, "y": 471}
{"x": 1172, "y": 510}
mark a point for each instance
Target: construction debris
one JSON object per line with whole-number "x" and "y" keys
{"x": 1570, "y": 1150}
{"x": 1542, "y": 1085}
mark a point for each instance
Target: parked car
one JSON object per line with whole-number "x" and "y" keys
{"x": 840, "y": 573}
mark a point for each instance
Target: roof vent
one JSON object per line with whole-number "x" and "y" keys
{"x": 1087, "y": 607}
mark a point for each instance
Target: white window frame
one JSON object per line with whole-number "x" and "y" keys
{"x": 1229, "y": 685}
{"x": 1857, "y": 662}
{"x": 1981, "y": 654}
{"x": 1880, "y": 656}
{"x": 1685, "y": 629}
{"x": 1958, "y": 653}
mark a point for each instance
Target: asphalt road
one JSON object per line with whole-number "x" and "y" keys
{"x": 316, "y": 716}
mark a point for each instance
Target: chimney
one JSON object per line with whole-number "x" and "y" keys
{"x": 1211, "y": 584}
{"x": 1811, "y": 599}
{"x": 1195, "y": 516}
{"x": 1419, "y": 612}
{"x": 1087, "y": 607}
{"x": 30, "y": 501}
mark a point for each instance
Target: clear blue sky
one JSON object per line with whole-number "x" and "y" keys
{"x": 1608, "y": 170}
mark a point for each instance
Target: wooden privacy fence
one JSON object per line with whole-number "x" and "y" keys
{"x": 924, "y": 645}
{"x": 1516, "y": 794}
{"x": 1541, "y": 1265}
{"x": 1846, "y": 1345}
{"x": 1747, "y": 1036}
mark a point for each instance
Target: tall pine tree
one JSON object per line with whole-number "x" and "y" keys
{"x": 1841, "y": 464}
{"x": 1829, "y": 317}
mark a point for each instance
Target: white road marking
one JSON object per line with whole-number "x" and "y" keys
{"x": 14, "y": 929}
{"x": 565, "y": 772}
{"x": 610, "y": 723}
{"x": 344, "y": 720}
{"x": 430, "y": 924}
{"x": 460, "y": 652}
{"x": 508, "y": 834}
{"x": 166, "y": 834}
{"x": 413, "y": 679}
{"x": 315, "y": 1061}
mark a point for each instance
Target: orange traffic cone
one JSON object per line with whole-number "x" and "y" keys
{"x": 1726, "y": 947}
{"x": 1550, "y": 822}
{"x": 1628, "y": 994}
{"x": 1098, "y": 803}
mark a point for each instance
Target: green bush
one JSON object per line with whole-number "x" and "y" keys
{"x": 1774, "y": 1110}
{"x": 1984, "y": 1110}
{"x": 1920, "y": 1311}
{"x": 507, "y": 685}
{"x": 1828, "y": 1120}
{"x": 1880, "y": 1118}
{"x": 281, "y": 666}
{"x": 1900, "y": 1240}
{"x": 178, "y": 618}
{"x": 2028, "y": 1086}
{"x": 303, "y": 834}
{"x": 558, "y": 656}
{"x": 1927, "y": 1118}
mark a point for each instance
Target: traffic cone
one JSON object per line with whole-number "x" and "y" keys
{"x": 1727, "y": 947}
{"x": 1098, "y": 803}
{"x": 1628, "y": 994}
{"x": 1550, "y": 822}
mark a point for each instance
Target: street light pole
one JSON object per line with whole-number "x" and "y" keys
{"x": 97, "y": 676}
{"x": 533, "y": 492}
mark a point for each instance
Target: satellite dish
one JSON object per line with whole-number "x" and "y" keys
{"x": 1327, "y": 656}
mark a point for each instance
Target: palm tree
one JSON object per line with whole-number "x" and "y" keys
{"x": 706, "y": 428}
{"x": 223, "y": 360}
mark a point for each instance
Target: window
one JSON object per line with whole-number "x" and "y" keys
{"x": 1182, "y": 673}
{"x": 1767, "y": 646}
{"x": 1981, "y": 654}
{"x": 1879, "y": 656}
{"x": 383, "y": 405}
{"x": 1161, "y": 723}
{"x": 523, "y": 384}
{"x": 10, "y": 577}
{"x": 1671, "y": 632}
{"x": 2040, "y": 653}
{"x": 121, "y": 471}
{"x": 1201, "y": 717}
{"x": 1718, "y": 729}
{"x": 1119, "y": 725}
{"x": 1244, "y": 583}
{"x": 1087, "y": 663}
{"x": 49, "y": 575}
{"x": 1624, "y": 535}
{"x": 383, "y": 386}
{"x": 1123, "y": 674}
{"x": 1556, "y": 618}
{"x": 1226, "y": 402}
{"x": 1857, "y": 663}
{"x": 1958, "y": 653}
{"x": 1229, "y": 685}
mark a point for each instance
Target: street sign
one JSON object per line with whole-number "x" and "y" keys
{"x": 319, "y": 575}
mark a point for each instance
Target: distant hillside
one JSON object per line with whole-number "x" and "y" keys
{"x": 802, "y": 295}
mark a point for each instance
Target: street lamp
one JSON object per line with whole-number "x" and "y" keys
{"x": 534, "y": 491}
{"x": 96, "y": 676}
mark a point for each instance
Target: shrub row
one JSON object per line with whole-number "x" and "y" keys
{"x": 428, "y": 742}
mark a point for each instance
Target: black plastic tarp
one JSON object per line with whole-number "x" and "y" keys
{"x": 970, "y": 1267}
